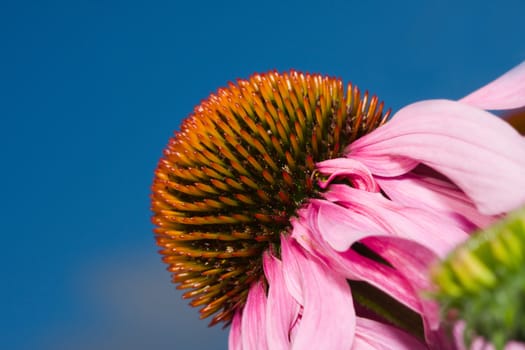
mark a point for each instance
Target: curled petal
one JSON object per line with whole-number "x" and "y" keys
{"x": 355, "y": 171}
{"x": 375, "y": 335}
{"x": 341, "y": 229}
{"x": 253, "y": 321}
{"x": 482, "y": 155}
{"x": 327, "y": 306}
{"x": 506, "y": 92}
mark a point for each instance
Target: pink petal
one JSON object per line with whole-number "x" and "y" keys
{"x": 372, "y": 214}
{"x": 253, "y": 321}
{"x": 481, "y": 154}
{"x": 234, "y": 338}
{"x": 407, "y": 257}
{"x": 506, "y": 92}
{"x": 292, "y": 271}
{"x": 413, "y": 190}
{"x": 349, "y": 263}
{"x": 413, "y": 262}
{"x": 282, "y": 310}
{"x": 328, "y": 318}
{"x": 406, "y": 237}
{"x": 341, "y": 227}
{"x": 355, "y": 171}
{"x": 375, "y": 335}
{"x": 405, "y": 281}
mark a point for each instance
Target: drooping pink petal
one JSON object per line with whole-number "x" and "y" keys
{"x": 341, "y": 228}
{"x": 405, "y": 256}
{"x": 372, "y": 214}
{"x": 433, "y": 194}
{"x": 234, "y": 338}
{"x": 385, "y": 278}
{"x": 506, "y": 92}
{"x": 292, "y": 272}
{"x": 253, "y": 320}
{"x": 378, "y": 336}
{"x": 282, "y": 309}
{"x": 349, "y": 263}
{"x": 351, "y": 169}
{"x": 391, "y": 231}
{"x": 413, "y": 262}
{"x": 482, "y": 155}
{"x": 328, "y": 318}
{"x": 408, "y": 243}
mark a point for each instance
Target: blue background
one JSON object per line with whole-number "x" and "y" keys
{"x": 90, "y": 92}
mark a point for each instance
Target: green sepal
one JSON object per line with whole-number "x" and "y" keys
{"x": 483, "y": 282}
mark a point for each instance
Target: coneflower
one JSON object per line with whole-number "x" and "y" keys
{"x": 239, "y": 168}
{"x": 290, "y": 209}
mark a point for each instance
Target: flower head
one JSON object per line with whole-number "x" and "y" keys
{"x": 239, "y": 169}
{"x": 292, "y": 210}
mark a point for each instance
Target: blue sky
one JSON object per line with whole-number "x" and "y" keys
{"x": 90, "y": 92}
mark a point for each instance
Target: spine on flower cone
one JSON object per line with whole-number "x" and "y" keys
{"x": 483, "y": 282}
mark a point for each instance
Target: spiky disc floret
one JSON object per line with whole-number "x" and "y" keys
{"x": 239, "y": 168}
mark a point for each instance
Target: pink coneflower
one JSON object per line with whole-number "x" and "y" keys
{"x": 295, "y": 213}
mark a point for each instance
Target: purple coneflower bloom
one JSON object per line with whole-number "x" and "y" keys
{"x": 349, "y": 256}
{"x": 431, "y": 175}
